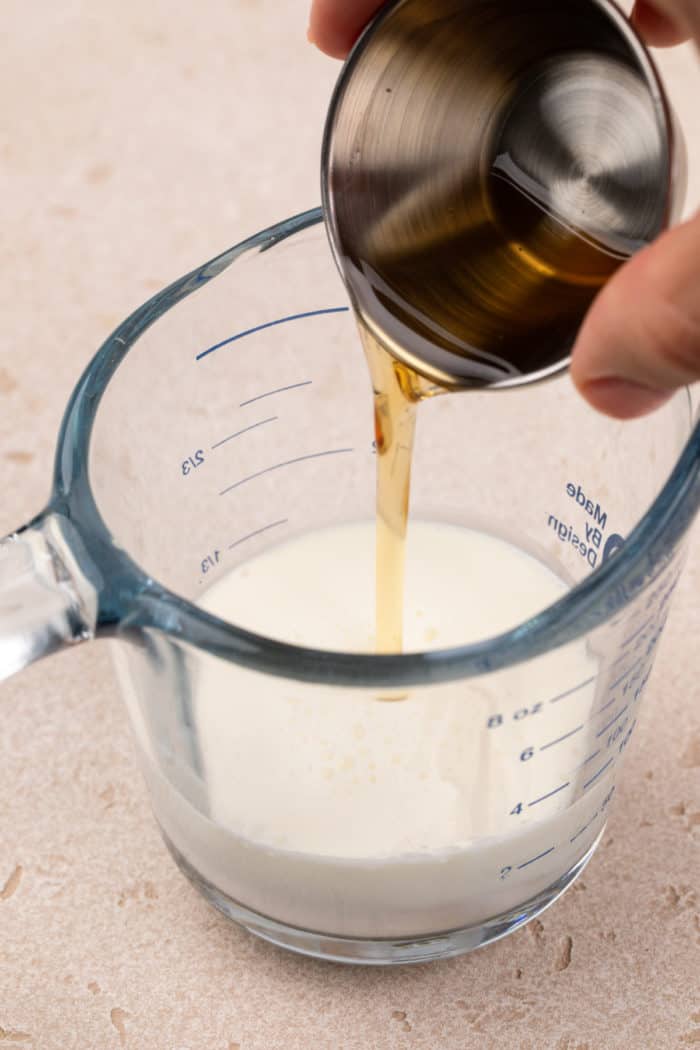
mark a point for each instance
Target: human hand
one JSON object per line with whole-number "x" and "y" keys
{"x": 640, "y": 340}
{"x": 334, "y": 25}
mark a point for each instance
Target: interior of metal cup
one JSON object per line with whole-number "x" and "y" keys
{"x": 440, "y": 95}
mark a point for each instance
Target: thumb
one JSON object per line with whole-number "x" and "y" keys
{"x": 641, "y": 338}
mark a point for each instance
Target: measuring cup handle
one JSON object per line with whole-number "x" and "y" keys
{"x": 45, "y": 602}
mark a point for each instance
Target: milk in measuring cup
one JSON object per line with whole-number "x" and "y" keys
{"x": 331, "y": 811}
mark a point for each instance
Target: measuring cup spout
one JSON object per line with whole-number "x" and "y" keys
{"x": 46, "y": 602}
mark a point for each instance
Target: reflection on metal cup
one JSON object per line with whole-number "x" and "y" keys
{"x": 487, "y": 166}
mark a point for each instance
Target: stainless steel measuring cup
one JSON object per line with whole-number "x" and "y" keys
{"x": 232, "y": 413}
{"x": 486, "y": 166}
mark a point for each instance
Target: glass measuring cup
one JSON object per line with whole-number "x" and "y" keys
{"x": 233, "y": 412}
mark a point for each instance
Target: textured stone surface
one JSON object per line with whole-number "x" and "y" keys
{"x": 137, "y": 140}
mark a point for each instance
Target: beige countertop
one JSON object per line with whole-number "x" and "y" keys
{"x": 138, "y": 139}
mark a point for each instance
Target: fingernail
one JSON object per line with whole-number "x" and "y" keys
{"x": 310, "y": 36}
{"x": 623, "y": 398}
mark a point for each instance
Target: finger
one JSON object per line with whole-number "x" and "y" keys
{"x": 641, "y": 338}
{"x": 334, "y": 25}
{"x": 657, "y": 28}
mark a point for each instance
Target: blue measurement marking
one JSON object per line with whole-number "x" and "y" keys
{"x": 619, "y": 660}
{"x": 638, "y": 631}
{"x": 627, "y": 672}
{"x": 533, "y": 859}
{"x": 560, "y": 738}
{"x": 598, "y": 774}
{"x": 585, "y": 827}
{"x": 582, "y": 685}
{"x": 270, "y": 324}
{"x": 612, "y": 721}
{"x": 245, "y": 430}
{"x": 606, "y": 706}
{"x": 277, "y": 390}
{"x": 258, "y": 532}
{"x": 287, "y": 463}
{"x": 549, "y": 794}
{"x": 590, "y": 758}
